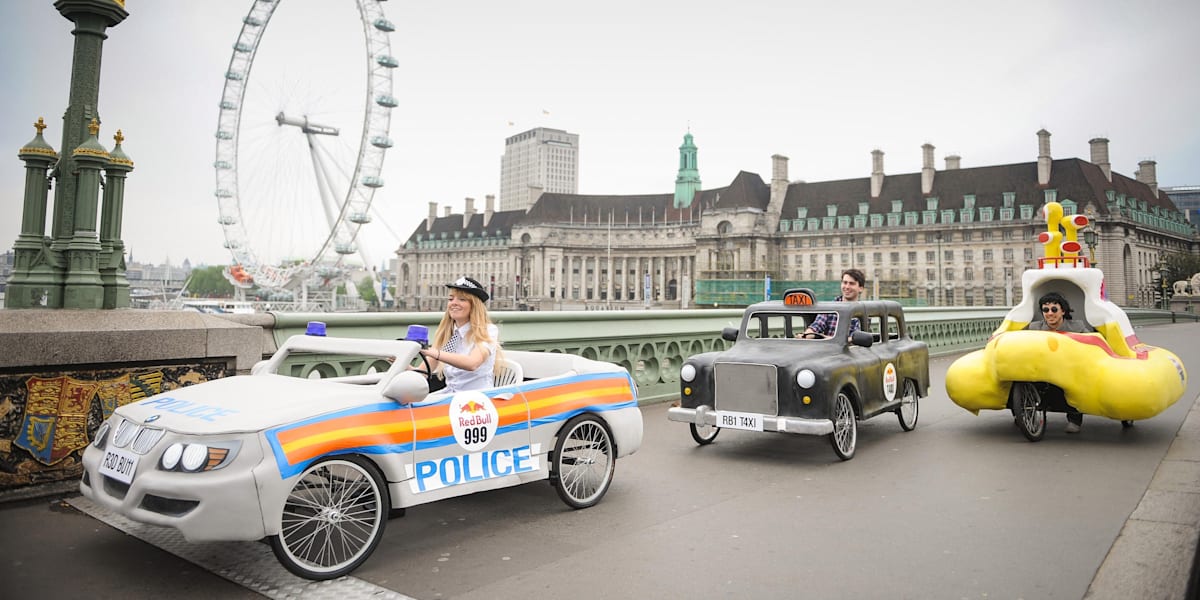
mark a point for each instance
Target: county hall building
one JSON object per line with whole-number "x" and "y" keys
{"x": 954, "y": 236}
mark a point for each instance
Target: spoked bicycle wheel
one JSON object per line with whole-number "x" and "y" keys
{"x": 704, "y": 434}
{"x": 584, "y": 460}
{"x": 1029, "y": 412}
{"x": 333, "y": 519}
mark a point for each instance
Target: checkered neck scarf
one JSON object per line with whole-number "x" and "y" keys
{"x": 454, "y": 344}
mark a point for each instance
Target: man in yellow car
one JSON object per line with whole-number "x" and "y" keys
{"x": 1056, "y": 316}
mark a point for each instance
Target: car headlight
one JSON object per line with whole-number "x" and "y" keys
{"x": 687, "y": 372}
{"x": 101, "y": 435}
{"x": 196, "y": 457}
{"x": 805, "y": 378}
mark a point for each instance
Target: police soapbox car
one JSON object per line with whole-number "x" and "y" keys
{"x": 1107, "y": 373}
{"x": 316, "y": 464}
{"x": 773, "y": 379}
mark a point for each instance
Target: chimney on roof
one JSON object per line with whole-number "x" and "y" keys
{"x": 432, "y": 216}
{"x": 1147, "y": 173}
{"x": 953, "y": 162}
{"x": 468, "y": 211}
{"x": 489, "y": 207}
{"x": 926, "y": 169}
{"x": 535, "y": 193}
{"x": 446, "y": 210}
{"x": 1044, "y": 159}
{"x": 779, "y": 186}
{"x": 1100, "y": 156}
{"x": 876, "y": 172}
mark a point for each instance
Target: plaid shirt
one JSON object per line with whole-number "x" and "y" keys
{"x": 826, "y": 323}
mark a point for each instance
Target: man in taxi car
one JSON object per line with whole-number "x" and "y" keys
{"x": 853, "y": 284}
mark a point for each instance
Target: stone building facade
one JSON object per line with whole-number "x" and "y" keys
{"x": 955, "y": 236}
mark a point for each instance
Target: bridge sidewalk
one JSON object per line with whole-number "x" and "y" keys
{"x": 1156, "y": 555}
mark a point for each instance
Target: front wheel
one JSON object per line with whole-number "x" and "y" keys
{"x": 583, "y": 462}
{"x": 704, "y": 434}
{"x": 845, "y": 427}
{"x": 908, "y": 410}
{"x": 333, "y": 518}
{"x": 1031, "y": 416}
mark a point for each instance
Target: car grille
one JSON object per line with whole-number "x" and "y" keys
{"x": 747, "y": 387}
{"x": 143, "y": 437}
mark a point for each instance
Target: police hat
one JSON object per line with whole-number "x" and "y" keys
{"x": 470, "y": 286}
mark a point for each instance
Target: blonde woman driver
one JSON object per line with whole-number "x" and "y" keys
{"x": 466, "y": 342}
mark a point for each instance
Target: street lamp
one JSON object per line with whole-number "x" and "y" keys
{"x": 852, "y": 250}
{"x": 1089, "y": 238}
{"x": 1163, "y": 273}
{"x": 938, "y": 293}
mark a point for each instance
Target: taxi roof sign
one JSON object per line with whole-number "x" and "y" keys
{"x": 798, "y": 297}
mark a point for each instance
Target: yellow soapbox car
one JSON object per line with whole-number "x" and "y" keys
{"x": 1108, "y": 373}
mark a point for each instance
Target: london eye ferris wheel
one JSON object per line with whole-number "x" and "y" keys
{"x": 299, "y": 154}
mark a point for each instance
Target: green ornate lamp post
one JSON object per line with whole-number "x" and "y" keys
{"x": 112, "y": 248}
{"x": 83, "y": 287}
{"x": 64, "y": 269}
{"x": 33, "y": 278}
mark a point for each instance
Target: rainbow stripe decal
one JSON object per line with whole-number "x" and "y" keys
{"x": 390, "y": 428}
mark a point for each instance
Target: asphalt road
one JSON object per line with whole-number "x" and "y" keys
{"x": 962, "y": 507}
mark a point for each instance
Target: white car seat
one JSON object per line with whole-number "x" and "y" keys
{"x": 506, "y": 372}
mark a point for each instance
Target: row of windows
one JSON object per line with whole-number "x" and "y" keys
{"x": 912, "y": 237}
{"x": 967, "y": 255}
{"x": 911, "y": 218}
{"x": 1008, "y": 201}
{"x": 910, "y": 276}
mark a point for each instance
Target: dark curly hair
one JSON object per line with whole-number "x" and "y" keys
{"x": 1056, "y": 298}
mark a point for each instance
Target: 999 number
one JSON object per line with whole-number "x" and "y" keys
{"x": 475, "y": 435}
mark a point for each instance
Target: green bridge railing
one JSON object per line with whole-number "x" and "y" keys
{"x": 651, "y": 345}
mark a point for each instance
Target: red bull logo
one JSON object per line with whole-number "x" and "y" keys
{"x": 889, "y": 382}
{"x": 473, "y": 418}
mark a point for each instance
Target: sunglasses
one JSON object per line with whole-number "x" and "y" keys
{"x": 1049, "y": 309}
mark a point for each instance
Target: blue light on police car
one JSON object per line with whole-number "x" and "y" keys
{"x": 417, "y": 333}
{"x": 316, "y": 328}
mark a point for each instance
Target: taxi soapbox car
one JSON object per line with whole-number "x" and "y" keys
{"x": 1107, "y": 373}
{"x": 316, "y": 464}
{"x": 772, "y": 379}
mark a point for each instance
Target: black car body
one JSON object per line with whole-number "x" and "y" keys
{"x": 770, "y": 380}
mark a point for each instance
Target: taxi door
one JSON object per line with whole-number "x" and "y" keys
{"x": 874, "y": 364}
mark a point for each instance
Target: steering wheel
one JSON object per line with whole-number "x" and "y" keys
{"x": 428, "y": 372}
{"x": 812, "y": 335}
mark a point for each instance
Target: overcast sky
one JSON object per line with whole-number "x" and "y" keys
{"x": 821, "y": 83}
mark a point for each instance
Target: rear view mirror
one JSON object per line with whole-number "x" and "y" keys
{"x": 407, "y": 387}
{"x": 729, "y": 334}
{"x": 862, "y": 338}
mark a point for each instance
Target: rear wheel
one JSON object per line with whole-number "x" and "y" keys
{"x": 908, "y": 410}
{"x": 333, "y": 518}
{"x": 845, "y": 427}
{"x": 704, "y": 434}
{"x": 583, "y": 462}
{"x": 1027, "y": 405}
